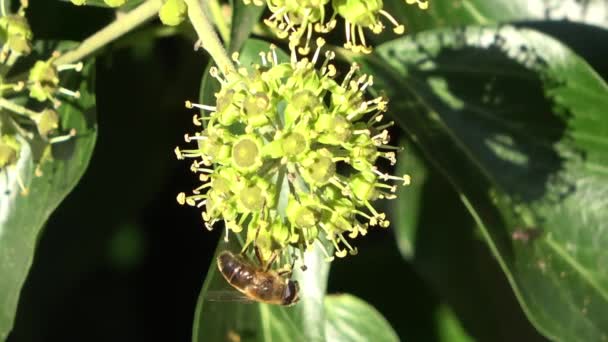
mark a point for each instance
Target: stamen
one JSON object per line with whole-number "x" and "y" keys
{"x": 77, "y": 67}
{"x": 364, "y": 47}
{"x": 189, "y": 138}
{"x": 347, "y": 30}
{"x": 306, "y": 49}
{"x": 263, "y": 57}
{"x": 214, "y": 72}
{"x": 208, "y": 108}
{"x": 235, "y": 58}
{"x": 273, "y": 50}
{"x": 75, "y": 94}
{"x": 340, "y": 253}
{"x": 398, "y": 29}
{"x": 320, "y": 43}
{"x": 328, "y": 258}
{"x": 352, "y": 251}
{"x": 353, "y": 68}
{"x": 63, "y": 138}
{"x": 362, "y": 131}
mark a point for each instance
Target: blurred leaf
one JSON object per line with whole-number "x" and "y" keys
{"x": 22, "y": 217}
{"x": 468, "y": 12}
{"x": 352, "y": 319}
{"x": 449, "y": 327}
{"x": 5, "y": 8}
{"x": 244, "y": 18}
{"x": 405, "y": 210}
{"x": 514, "y": 120}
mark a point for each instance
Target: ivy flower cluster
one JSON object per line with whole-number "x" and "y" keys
{"x": 298, "y": 19}
{"x": 288, "y": 154}
{"x": 39, "y": 122}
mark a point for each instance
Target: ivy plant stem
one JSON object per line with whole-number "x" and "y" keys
{"x": 123, "y": 24}
{"x": 207, "y": 36}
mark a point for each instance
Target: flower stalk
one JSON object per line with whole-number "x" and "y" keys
{"x": 208, "y": 39}
{"x": 113, "y": 31}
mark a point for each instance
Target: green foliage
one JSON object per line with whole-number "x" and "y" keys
{"x": 499, "y": 106}
{"x": 513, "y": 130}
{"x": 351, "y": 319}
{"x": 22, "y": 217}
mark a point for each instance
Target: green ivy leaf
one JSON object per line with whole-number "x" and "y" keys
{"x": 448, "y": 252}
{"x": 351, "y": 319}
{"x": 23, "y": 217}
{"x": 244, "y": 18}
{"x": 515, "y": 121}
{"x": 471, "y": 12}
{"x": 449, "y": 328}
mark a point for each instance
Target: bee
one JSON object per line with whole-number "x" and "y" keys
{"x": 258, "y": 283}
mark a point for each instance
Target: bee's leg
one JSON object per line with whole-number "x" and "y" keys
{"x": 271, "y": 261}
{"x": 258, "y": 255}
{"x": 287, "y": 271}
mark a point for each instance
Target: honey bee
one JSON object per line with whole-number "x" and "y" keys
{"x": 257, "y": 283}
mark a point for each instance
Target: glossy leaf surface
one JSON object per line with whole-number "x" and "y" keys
{"x": 514, "y": 120}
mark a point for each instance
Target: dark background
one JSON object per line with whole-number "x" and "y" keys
{"x": 120, "y": 260}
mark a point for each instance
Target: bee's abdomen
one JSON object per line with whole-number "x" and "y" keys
{"x": 237, "y": 272}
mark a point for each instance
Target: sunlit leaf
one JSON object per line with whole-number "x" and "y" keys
{"x": 471, "y": 12}
{"x": 514, "y": 120}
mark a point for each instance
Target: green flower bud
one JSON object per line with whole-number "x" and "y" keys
{"x": 43, "y": 80}
{"x": 294, "y": 144}
{"x": 252, "y": 198}
{"x": 173, "y": 12}
{"x": 318, "y": 167}
{"x": 16, "y": 34}
{"x": 247, "y": 153}
{"x": 363, "y": 186}
{"x": 256, "y": 109}
{"x": 79, "y": 2}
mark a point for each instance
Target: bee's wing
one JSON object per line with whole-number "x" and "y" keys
{"x": 228, "y": 296}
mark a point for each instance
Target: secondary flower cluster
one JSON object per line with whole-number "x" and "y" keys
{"x": 39, "y": 123}
{"x": 297, "y": 19}
{"x": 288, "y": 154}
